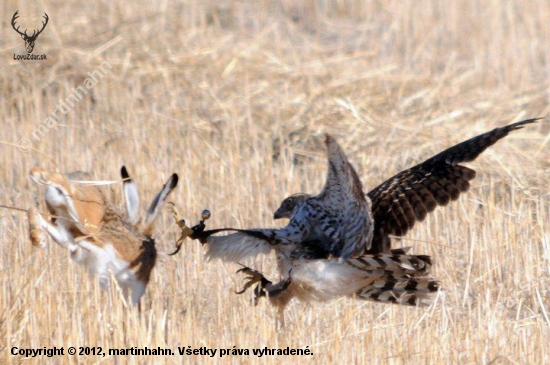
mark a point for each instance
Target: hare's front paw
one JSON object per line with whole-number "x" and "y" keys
{"x": 37, "y": 234}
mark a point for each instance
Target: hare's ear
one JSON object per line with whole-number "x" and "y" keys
{"x": 157, "y": 204}
{"x": 131, "y": 196}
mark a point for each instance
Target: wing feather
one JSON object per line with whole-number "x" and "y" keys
{"x": 342, "y": 182}
{"x": 238, "y": 246}
{"x": 410, "y": 195}
{"x": 338, "y": 220}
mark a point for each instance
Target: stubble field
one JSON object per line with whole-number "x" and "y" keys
{"x": 235, "y": 97}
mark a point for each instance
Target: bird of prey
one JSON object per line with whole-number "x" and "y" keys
{"x": 337, "y": 243}
{"x": 335, "y": 223}
{"x": 402, "y": 200}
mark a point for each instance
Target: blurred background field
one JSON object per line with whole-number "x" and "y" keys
{"x": 235, "y": 96}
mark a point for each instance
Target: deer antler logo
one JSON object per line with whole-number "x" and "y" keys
{"x": 29, "y": 39}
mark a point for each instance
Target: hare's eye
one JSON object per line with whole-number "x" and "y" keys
{"x": 59, "y": 191}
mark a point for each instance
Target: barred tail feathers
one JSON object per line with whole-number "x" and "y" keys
{"x": 394, "y": 278}
{"x": 403, "y": 279}
{"x": 411, "y": 297}
{"x": 397, "y": 263}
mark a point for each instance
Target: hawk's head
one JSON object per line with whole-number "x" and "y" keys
{"x": 288, "y": 205}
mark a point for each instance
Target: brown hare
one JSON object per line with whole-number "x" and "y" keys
{"x": 96, "y": 233}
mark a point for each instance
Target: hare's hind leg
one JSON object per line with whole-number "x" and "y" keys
{"x": 131, "y": 286}
{"x": 138, "y": 289}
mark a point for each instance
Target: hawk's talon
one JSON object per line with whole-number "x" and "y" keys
{"x": 177, "y": 218}
{"x": 193, "y": 232}
{"x": 254, "y": 277}
{"x": 287, "y": 282}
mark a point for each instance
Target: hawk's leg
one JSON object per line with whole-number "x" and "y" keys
{"x": 264, "y": 287}
{"x": 193, "y": 232}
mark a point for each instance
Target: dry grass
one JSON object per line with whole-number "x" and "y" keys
{"x": 234, "y": 98}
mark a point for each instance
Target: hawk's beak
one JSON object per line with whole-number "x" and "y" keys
{"x": 279, "y": 214}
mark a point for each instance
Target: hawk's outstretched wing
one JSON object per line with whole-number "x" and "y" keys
{"x": 239, "y": 245}
{"x": 338, "y": 220}
{"x": 409, "y": 196}
{"x": 343, "y": 183}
